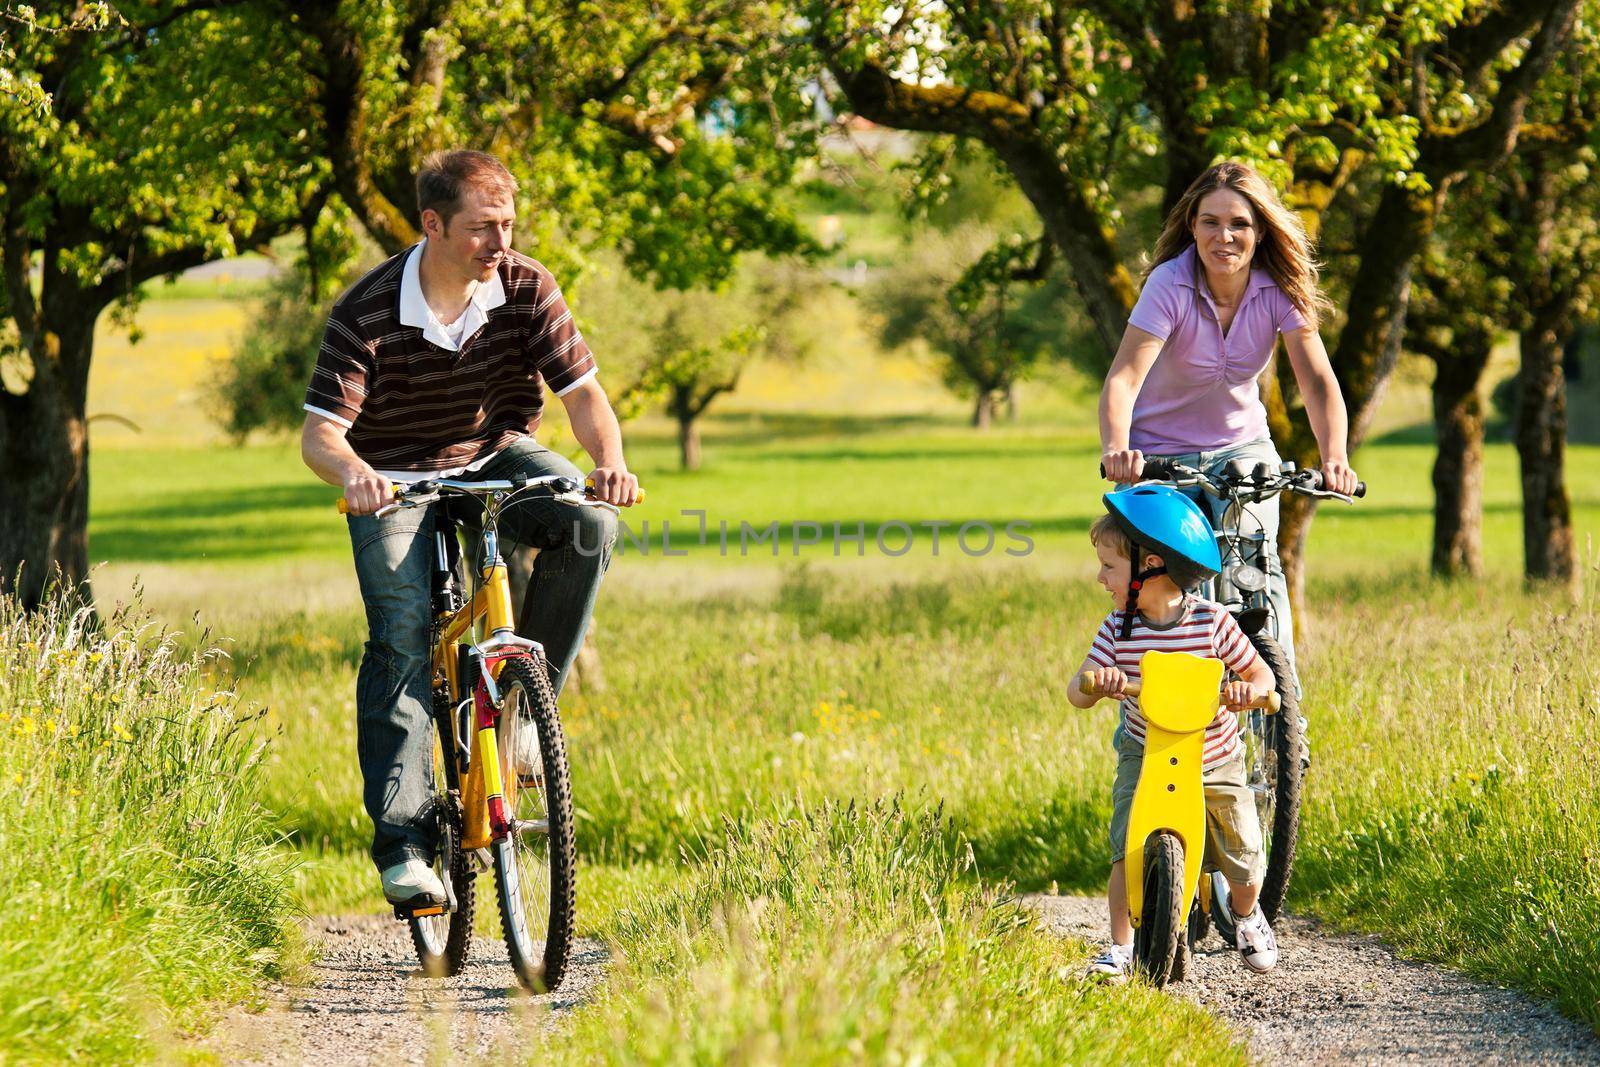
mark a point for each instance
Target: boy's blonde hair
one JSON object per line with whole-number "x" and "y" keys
{"x": 1105, "y": 531}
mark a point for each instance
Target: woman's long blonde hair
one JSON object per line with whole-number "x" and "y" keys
{"x": 1283, "y": 248}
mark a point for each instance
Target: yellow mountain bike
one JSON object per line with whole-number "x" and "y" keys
{"x": 502, "y": 793}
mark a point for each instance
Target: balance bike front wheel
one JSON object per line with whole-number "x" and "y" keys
{"x": 1162, "y": 924}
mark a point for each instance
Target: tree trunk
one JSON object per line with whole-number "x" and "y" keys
{"x": 1549, "y": 553}
{"x": 983, "y": 410}
{"x": 1013, "y": 406}
{"x": 1368, "y": 347}
{"x": 1458, "y": 466}
{"x": 44, "y": 453}
{"x": 688, "y": 443}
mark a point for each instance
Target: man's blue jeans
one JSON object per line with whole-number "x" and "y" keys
{"x": 394, "y": 559}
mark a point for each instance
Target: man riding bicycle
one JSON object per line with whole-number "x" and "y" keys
{"x": 434, "y": 365}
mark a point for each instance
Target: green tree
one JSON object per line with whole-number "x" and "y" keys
{"x": 1330, "y": 98}
{"x": 200, "y": 128}
{"x": 152, "y": 154}
{"x": 989, "y": 305}
{"x": 686, "y": 348}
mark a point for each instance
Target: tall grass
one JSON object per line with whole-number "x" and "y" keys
{"x": 1456, "y": 807}
{"x": 856, "y": 934}
{"x": 140, "y": 882}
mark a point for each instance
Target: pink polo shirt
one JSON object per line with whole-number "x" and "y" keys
{"x": 1201, "y": 392}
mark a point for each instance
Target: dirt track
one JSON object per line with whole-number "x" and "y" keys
{"x": 1347, "y": 999}
{"x": 1333, "y": 998}
{"x": 368, "y": 1004}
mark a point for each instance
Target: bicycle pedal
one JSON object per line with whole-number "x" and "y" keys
{"x": 406, "y": 911}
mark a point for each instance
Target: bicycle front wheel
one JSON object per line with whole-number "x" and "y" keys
{"x": 534, "y": 862}
{"x": 1160, "y": 935}
{"x": 1275, "y": 773}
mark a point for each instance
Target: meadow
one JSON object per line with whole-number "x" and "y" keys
{"x": 812, "y": 783}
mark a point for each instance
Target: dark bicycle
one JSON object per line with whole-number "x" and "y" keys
{"x": 1276, "y": 758}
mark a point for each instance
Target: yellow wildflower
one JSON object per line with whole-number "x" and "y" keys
{"x": 122, "y": 732}
{"x": 24, "y": 725}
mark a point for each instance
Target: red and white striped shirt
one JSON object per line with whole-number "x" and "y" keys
{"x": 1205, "y": 629}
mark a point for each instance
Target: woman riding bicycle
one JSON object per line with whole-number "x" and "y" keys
{"x": 1232, "y": 270}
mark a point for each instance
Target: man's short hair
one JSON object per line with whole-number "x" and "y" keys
{"x": 443, "y": 181}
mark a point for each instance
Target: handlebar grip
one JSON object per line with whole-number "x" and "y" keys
{"x": 344, "y": 505}
{"x": 588, "y": 490}
{"x": 1361, "y": 489}
{"x": 1154, "y": 469}
{"x": 1270, "y": 703}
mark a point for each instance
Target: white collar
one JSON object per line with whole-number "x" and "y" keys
{"x": 414, "y": 309}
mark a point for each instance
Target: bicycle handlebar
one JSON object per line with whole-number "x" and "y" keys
{"x": 1269, "y": 703}
{"x": 559, "y": 485}
{"x": 1308, "y": 482}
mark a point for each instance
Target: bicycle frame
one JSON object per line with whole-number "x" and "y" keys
{"x": 486, "y": 794}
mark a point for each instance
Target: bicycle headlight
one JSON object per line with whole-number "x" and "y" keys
{"x": 1250, "y": 579}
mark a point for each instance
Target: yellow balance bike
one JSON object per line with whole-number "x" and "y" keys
{"x": 1178, "y": 696}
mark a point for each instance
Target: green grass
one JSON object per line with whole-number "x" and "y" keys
{"x": 141, "y": 882}
{"x": 762, "y": 691}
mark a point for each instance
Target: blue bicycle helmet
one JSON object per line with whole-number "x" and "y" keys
{"x": 1159, "y": 519}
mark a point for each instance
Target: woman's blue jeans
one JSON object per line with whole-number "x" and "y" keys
{"x": 394, "y": 559}
{"x": 1261, "y": 516}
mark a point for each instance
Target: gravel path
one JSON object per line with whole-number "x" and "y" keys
{"x": 1350, "y": 999}
{"x": 368, "y": 1003}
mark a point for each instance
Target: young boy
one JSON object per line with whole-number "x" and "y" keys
{"x": 1155, "y": 545}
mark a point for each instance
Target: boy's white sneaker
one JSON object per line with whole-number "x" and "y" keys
{"x": 1253, "y": 935}
{"x": 412, "y": 882}
{"x": 1112, "y": 965}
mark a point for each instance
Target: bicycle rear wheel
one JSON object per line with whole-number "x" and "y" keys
{"x": 1275, "y": 775}
{"x": 1162, "y": 927}
{"x": 443, "y": 942}
{"x": 534, "y": 863}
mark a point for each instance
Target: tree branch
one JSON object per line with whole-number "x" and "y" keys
{"x": 1491, "y": 140}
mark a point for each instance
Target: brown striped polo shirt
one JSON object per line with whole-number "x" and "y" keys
{"x": 412, "y": 405}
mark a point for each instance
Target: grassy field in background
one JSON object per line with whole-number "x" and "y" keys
{"x": 749, "y": 698}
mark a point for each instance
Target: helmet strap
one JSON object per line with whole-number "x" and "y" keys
{"x": 1139, "y": 578}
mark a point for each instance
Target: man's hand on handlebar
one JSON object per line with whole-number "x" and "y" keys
{"x": 1337, "y": 477}
{"x": 1122, "y": 466}
{"x": 366, "y": 491}
{"x": 614, "y": 485}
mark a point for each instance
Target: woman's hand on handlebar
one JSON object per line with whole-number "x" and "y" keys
{"x": 1125, "y": 465}
{"x": 366, "y": 491}
{"x": 1337, "y": 477}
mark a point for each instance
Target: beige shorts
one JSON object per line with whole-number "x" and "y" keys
{"x": 1233, "y": 831}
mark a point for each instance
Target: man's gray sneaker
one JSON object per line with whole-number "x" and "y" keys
{"x": 1112, "y": 965}
{"x": 412, "y": 882}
